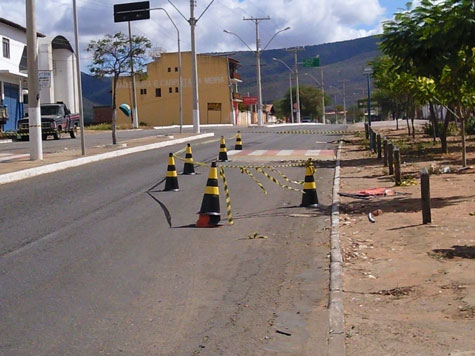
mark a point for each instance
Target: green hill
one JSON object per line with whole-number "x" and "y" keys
{"x": 340, "y": 61}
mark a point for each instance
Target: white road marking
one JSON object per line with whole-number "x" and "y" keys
{"x": 312, "y": 152}
{"x": 258, "y": 153}
{"x": 285, "y": 153}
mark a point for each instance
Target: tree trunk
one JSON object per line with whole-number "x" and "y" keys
{"x": 435, "y": 126}
{"x": 408, "y": 126}
{"x": 464, "y": 146}
{"x": 413, "y": 128}
{"x": 443, "y": 134}
{"x": 114, "y": 116}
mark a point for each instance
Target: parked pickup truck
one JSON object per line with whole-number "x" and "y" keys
{"x": 55, "y": 119}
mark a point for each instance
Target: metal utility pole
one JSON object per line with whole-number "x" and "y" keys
{"x": 258, "y": 66}
{"x": 135, "y": 116}
{"x": 180, "y": 79}
{"x": 194, "y": 61}
{"x": 344, "y": 100}
{"x": 78, "y": 70}
{"x": 323, "y": 97}
{"x": 290, "y": 79}
{"x": 291, "y": 99}
{"x": 296, "y": 71}
{"x": 34, "y": 112}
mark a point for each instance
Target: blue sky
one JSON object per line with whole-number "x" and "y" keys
{"x": 311, "y": 21}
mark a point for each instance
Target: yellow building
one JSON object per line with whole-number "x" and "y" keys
{"x": 158, "y": 94}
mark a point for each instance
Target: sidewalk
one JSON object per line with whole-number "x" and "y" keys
{"x": 409, "y": 289}
{"x": 22, "y": 167}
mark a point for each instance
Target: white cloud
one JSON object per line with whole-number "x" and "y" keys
{"x": 311, "y": 21}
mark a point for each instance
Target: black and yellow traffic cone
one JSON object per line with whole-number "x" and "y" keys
{"x": 189, "y": 167}
{"x": 238, "y": 145}
{"x": 309, "y": 196}
{"x": 210, "y": 213}
{"x": 223, "y": 153}
{"x": 171, "y": 181}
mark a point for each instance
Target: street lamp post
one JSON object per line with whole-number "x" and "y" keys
{"x": 290, "y": 83}
{"x": 368, "y": 71}
{"x": 296, "y": 70}
{"x": 323, "y": 94}
{"x": 78, "y": 70}
{"x": 180, "y": 79}
{"x": 258, "y": 60}
{"x": 194, "y": 60}
{"x": 34, "y": 112}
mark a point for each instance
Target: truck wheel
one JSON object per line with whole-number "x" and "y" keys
{"x": 74, "y": 132}
{"x": 57, "y": 135}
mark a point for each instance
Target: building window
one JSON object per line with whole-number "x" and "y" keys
{"x": 176, "y": 89}
{"x": 6, "y": 47}
{"x": 176, "y": 69}
{"x": 169, "y": 69}
{"x": 170, "y": 90}
{"x": 158, "y": 92}
{"x": 143, "y": 91}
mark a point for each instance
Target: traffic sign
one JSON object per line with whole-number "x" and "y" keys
{"x": 249, "y": 100}
{"x": 363, "y": 103}
{"x": 311, "y": 62}
{"x": 132, "y": 11}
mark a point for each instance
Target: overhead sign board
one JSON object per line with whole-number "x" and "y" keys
{"x": 311, "y": 62}
{"x": 363, "y": 103}
{"x": 249, "y": 100}
{"x": 132, "y": 11}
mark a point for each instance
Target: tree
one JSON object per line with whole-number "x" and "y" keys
{"x": 435, "y": 41}
{"x": 111, "y": 57}
{"x": 310, "y": 101}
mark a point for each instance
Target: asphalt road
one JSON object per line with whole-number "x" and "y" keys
{"x": 89, "y": 266}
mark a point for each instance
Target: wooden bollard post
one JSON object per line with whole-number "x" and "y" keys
{"x": 390, "y": 158}
{"x": 425, "y": 197}
{"x": 366, "y": 130}
{"x": 385, "y": 151}
{"x": 378, "y": 140}
{"x": 375, "y": 147}
{"x": 397, "y": 166}
{"x": 370, "y": 139}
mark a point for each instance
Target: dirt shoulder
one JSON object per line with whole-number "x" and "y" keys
{"x": 409, "y": 289}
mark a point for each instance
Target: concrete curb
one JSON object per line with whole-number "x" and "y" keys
{"x": 54, "y": 167}
{"x": 336, "y": 340}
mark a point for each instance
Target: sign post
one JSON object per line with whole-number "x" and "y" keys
{"x": 127, "y": 12}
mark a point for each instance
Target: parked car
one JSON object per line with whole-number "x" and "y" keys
{"x": 55, "y": 119}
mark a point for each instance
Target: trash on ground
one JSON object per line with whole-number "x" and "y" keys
{"x": 369, "y": 193}
{"x": 408, "y": 182}
{"x": 255, "y": 235}
{"x": 396, "y": 292}
{"x": 371, "y": 218}
{"x": 283, "y": 333}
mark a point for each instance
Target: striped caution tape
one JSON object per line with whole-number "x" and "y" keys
{"x": 272, "y": 179}
{"x": 228, "y": 198}
{"x": 198, "y": 163}
{"x": 248, "y": 172}
{"x": 299, "y": 164}
{"x": 284, "y": 176}
{"x": 307, "y": 132}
